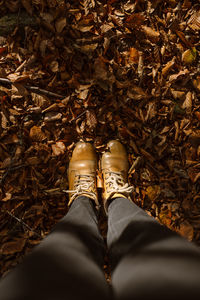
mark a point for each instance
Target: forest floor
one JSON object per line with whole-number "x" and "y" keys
{"x": 96, "y": 71}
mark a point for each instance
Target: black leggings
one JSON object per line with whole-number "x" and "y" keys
{"x": 148, "y": 260}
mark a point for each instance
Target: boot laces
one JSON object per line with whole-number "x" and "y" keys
{"x": 83, "y": 184}
{"x": 115, "y": 184}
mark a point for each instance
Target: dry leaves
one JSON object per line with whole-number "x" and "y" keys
{"x": 127, "y": 71}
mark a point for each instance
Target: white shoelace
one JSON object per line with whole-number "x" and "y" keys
{"x": 115, "y": 184}
{"x": 84, "y": 184}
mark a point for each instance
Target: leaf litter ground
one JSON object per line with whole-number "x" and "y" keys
{"x": 126, "y": 70}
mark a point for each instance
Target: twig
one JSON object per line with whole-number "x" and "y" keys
{"x": 34, "y": 89}
{"x": 37, "y": 90}
{"x": 78, "y": 116}
{"x": 22, "y": 222}
{"x": 15, "y": 167}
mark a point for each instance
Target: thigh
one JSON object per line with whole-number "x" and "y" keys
{"x": 66, "y": 265}
{"x": 147, "y": 259}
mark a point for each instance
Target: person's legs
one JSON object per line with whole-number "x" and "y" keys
{"x": 66, "y": 265}
{"x": 148, "y": 260}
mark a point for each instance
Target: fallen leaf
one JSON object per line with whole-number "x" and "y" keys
{"x": 151, "y": 33}
{"x": 13, "y": 246}
{"x": 7, "y": 197}
{"x": 174, "y": 77}
{"x": 54, "y": 66}
{"x": 153, "y": 192}
{"x": 189, "y": 56}
{"x": 36, "y": 134}
{"x": 194, "y": 21}
{"x": 133, "y": 55}
{"x": 28, "y": 6}
{"x": 91, "y": 119}
{"x": 60, "y": 24}
{"x": 168, "y": 67}
{"x": 187, "y": 104}
{"x": 58, "y": 148}
{"x": 17, "y": 77}
{"x": 52, "y": 116}
{"x": 186, "y": 230}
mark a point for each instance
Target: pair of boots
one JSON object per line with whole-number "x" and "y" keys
{"x": 82, "y": 173}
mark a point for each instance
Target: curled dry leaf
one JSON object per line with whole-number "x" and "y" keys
{"x": 36, "y": 134}
{"x": 151, "y": 33}
{"x": 187, "y": 104}
{"x": 136, "y": 93}
{"x": 168, "y": 67}
{"x": 52, "y": 116}
{"x": 196, "y": 83}
{"x": 17, "y": 77}
{"x": 7, "y": 197}
{"x": 54, "y": 66}
{"x": 189, "y": 56}
{"x": 58, "y": 148}
{"x": 178, "y": 75}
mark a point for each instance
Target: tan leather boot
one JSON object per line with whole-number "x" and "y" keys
{"x": 82, "y": 173}
{"x": 114, "y": 167}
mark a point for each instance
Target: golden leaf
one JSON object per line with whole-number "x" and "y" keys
{"x": 189, "y": 56}
{"x": 133, "y": 55}
{"x": 153, "y": 192}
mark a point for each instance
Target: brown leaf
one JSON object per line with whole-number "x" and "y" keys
{"x": 36, "y": 134}
{"x": 187, "y": 104}
{"x": 17, "y": 77}
{"x": 52, "y": 116}
{"x": 54, "y": 66}
{"x": 135, "y": 20}
{"x": 194, "y": 21}
{"x": 133, "y": 55}
{"x": 151, "y": 33}
{"x": 91, "y": 119}
{"x": 13, "y": 6}
{"x": 153, "y": 192}
{"x": 136, "y": 93}
{"x": 179, "y": 74}
{"x": 196, "y": 83}
{"x": 13, "y": 246}
{"x": 28, "y": 6}
{"x": 58, "y": 148}
{"x": 60, "y": 24}
{"x": 34, "y": 160}
{"x": 186, "y": 230}
{"x": 7, "y": 197}
{"x": 168, "y": 67}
